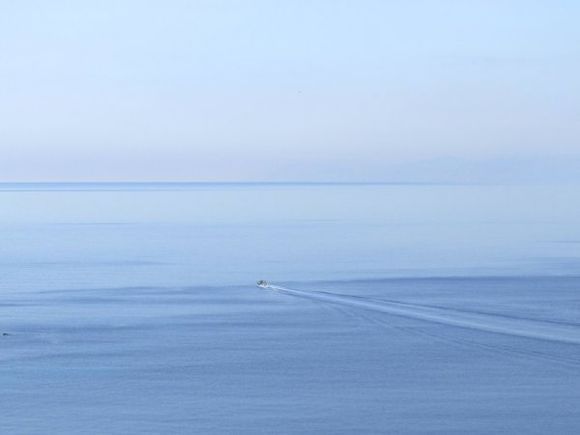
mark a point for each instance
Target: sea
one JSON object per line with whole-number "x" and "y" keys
{"x": 132, "y": 308}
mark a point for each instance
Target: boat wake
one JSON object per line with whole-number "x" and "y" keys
{"x": 487, "y": 322}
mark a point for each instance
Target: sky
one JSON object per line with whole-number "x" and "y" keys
{"x": 321, "y": 90}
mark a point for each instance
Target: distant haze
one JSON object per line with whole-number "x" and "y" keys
{"x": 223, "y": 90}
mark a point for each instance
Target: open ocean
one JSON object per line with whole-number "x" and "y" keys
{"x": 401, "y": 308}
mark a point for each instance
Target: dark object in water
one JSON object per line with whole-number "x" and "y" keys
{"x": 262, "y": 283}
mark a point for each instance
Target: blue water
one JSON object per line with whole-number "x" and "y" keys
{"x": 131, "y": 308}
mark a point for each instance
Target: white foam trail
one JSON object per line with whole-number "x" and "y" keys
{"x": 520, "y": 327}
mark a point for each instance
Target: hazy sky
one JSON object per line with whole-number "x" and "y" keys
{"x": 288, "y": 90}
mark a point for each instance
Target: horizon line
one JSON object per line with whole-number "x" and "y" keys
{"x": 314, "y": 182}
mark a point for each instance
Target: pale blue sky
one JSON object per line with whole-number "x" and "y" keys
{"x": 288, "y": 90}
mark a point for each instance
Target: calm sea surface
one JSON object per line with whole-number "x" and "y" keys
{"x": 131, "y": 308}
